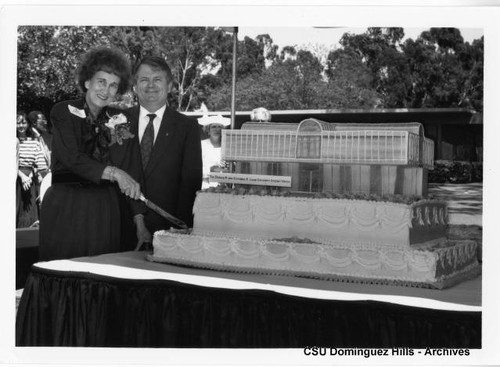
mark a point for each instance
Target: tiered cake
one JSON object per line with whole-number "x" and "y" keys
{"x": 326, "y": 201}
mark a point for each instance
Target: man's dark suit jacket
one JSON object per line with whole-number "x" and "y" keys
{"x": 174, "y": 171}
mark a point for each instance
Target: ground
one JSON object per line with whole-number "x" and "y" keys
{"x": 465, "y": 210}
{"x": 465, "y": 202}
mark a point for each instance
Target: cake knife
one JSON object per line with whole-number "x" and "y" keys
{"x": 163, "y": 213}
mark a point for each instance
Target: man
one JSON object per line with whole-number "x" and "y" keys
{"x": 41, "y": 129}
{"x": 172, "y": 167}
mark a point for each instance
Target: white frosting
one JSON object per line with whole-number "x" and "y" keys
{"x": 327, "y": 238}
{"x": 321, "y": 220}
{"x": 353, "y": 260}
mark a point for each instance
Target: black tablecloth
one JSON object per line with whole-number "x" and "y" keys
{"x": 26, "y": 253}
{"x": 86, "y": 308}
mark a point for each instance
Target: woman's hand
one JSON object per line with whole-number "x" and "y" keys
{"x": 41, "y": 175}
{"x": 127, "y": 184}
{"x": 25, "y": 181}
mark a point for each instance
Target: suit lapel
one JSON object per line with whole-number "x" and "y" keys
{"x": 133, "y": 116}
{"x": 162, "y": 142}
{"x": 134, "y": 121}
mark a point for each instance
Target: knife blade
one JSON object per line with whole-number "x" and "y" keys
{"x": 179, "y": 223}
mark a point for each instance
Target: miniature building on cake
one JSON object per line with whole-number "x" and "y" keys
{"x": 329, "y": 157}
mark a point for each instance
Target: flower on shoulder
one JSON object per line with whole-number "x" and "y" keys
{"x": 119, "y": 128}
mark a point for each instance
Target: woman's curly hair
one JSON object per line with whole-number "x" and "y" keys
{"x": 109, "y": 60}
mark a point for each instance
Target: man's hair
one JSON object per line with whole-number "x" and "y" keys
{"x": 33, "y": 116}
{"x": 154, "y": 62}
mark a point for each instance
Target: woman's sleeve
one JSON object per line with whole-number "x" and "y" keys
{"x": 66, "y": 145}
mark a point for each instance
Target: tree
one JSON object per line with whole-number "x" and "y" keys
{"x": 189, "y": 51}
{"x": 47, "y": 59}
{"x": 447, "y": 39}
{"x": 293, "y": 81}
{"x": 200, "y": 57}
{"x": 48, "y": 56}
{"x": 471, "y": 57}
{"x": 269, "y": 48}
{"x": 445, "y": 71}
{"x": 371, "y": 69}
{"x": 379, "y": 49}
{"x": 352, "y": 80}
{"x": 436, "y": 70}
{"x": 252, "y": 55}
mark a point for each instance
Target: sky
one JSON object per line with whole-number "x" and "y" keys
{"x": 300, "y": 36}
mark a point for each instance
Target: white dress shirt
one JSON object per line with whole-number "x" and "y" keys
{"x": 144, "y": 120}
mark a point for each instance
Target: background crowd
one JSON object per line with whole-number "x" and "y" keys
{"x": 34, "y": 145}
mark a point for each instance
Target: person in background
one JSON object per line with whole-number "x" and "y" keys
{"x": 40, "y": 126}
{"x": 92, "y": 151}
{"x": 211, "y": 147}
{"x": 39, "y": 122}
{"x": 30, "y": 165}
{"x": 170, "y": 146}
{"x": 260, "y": 114}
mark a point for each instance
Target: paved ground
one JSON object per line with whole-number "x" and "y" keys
{"x": 465, "y": 202}
{"x": 465, "y": 211}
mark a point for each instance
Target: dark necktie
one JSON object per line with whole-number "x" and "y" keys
{"x": 147, "y": 141}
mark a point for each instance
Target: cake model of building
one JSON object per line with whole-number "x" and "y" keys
{"x": 333, "y": 201}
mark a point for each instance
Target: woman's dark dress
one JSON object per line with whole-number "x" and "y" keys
{"x": 80, "y": 213}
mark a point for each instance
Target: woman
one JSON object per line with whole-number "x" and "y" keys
{"x": 91, "y": 151}
{"x": 211, "y": 147}
{"x": 31, "y": 164}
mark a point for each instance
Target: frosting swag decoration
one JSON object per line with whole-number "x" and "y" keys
{"x": 119, "y": 128}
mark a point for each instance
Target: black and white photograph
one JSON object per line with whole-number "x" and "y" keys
{"x": 250, "y": 184}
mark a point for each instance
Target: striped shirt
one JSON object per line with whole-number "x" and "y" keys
{"x": 30, "y": 154}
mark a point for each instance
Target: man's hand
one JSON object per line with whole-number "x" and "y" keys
{"x": 143, "y": 234}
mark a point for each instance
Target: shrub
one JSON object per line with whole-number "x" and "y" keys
{"x": 456, "y": 172}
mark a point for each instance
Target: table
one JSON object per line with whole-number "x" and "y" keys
{"x": 123, "y": 300}
{"x": 26, "y": 253}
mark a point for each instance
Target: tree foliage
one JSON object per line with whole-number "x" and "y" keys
{"x": 436, "y": 70}
{"x": 294, "y": 81}
{"x": 47, "y": 59}
{"x": 378, "y": 68}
